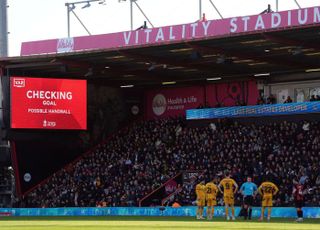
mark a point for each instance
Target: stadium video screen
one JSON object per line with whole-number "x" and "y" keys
{"x": 46, "y": 103}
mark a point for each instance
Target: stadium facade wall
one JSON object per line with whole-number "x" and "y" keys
{"x": 284, "y": 212}
{"x": 172, "y": 102}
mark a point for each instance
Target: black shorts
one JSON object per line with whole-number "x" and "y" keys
{"x": 248, "y": 200}
{"x": 299, "y": 203}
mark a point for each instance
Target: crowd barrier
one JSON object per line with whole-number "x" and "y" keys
{"x": 287, "y": 212}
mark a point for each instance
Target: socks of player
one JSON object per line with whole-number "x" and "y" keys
{"x": 245, "y": 213}
{"x": 232, "y": 211}
{"x": 227, "y": 212}
{"x": 262, "y": 213}
{"x": 250, "y": 213}
{"x": 269, "y": 213}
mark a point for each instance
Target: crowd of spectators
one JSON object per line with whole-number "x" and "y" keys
{"x": 142, "y": 157}
{"x": 269, "y": 100}
{"x": 5, "y": 186}
{"x": 207, "y": 105}
{"x": 315, "y": 98}
{"x": 5, "y": 178}
{"x": 272, "y": 100}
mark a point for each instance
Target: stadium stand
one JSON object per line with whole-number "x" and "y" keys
{"x": 140, "y": 158}
{"x": 6, "y": 188}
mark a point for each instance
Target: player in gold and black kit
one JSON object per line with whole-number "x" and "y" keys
{"x": 230, "y": 188}
{"x": 267, "y": 190}
{"x": 201, "y": 199}
{"x": 211, "y": 198}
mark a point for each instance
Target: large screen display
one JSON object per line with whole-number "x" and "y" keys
{"x": 46, "y": 103}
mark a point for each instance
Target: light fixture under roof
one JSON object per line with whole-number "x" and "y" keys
{"x": 126, "y": 86}
{"x": 313, "y": 54}
{"x": 312, "y": 70}
{"x": 258, "y": 63}
{"x": 214, "y": 78}
{"x": 115, "y": 57}
{"x": 190, "y": 70}
{"x": 254, "y": 41}
{"x": 176, "y": 67}
{"x": 169, "y": 83}
{"x": 262, "y": 74}
{"x": 209, "y": 55}
{"x": 180, "y": 50}
{"x": 243, "y": 61}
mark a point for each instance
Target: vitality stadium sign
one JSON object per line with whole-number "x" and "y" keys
{"x": 179, "y": 33}
{"x": 42, "y": 103}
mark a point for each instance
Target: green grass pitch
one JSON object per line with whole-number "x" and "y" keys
{"x": 141, "y": 223}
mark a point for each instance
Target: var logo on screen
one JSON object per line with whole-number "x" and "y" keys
{"x": 19, "y": 82}
{"x": 46, "y": 123}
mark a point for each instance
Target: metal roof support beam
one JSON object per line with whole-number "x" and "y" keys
{"x": 78, "y": 64}
{"x": 184, "y": 63}
{"x": 146, "y": 17}
{"x": 246, "y": 55}
{"x": 291, "y": 42}
{"x": 214, "y": 6}
{"x": 296, "y": 1}
{"x": 72, "y": 5}
{"x": 200, "y": 9}
{"x": 32, "y": 65}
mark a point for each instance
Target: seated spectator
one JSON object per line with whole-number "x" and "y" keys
{"x": 260, "y": 101}
{"x": 313, "y": 98}
{"x": 288, "y": 100}
{"x": 271, "y": 99}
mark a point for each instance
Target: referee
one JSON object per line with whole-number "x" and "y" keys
{"x": 248, "y": 190}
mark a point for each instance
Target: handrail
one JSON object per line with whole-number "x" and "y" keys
{"x": 164, "y": 200}
{"x": 161, "y": 186}
{"x": 178, "y": 190}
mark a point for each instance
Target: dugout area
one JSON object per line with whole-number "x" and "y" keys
{"x": 266, "y": 57}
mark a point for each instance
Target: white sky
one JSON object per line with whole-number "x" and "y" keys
{"x": 30, "y": 20}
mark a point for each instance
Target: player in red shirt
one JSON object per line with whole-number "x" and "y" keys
{"x": 298, "y": 194}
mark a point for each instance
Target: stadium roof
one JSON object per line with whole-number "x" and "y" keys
{"x": 265, "y": 54}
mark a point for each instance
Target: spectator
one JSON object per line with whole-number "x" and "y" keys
{"x": 288, "y": 100}
{"x": 313, "y": 98}
{"x": 271, "y": 99}
{"x": 260, "y": 100}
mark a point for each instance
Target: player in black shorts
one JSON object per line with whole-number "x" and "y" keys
{"x": 248, "y": 190}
